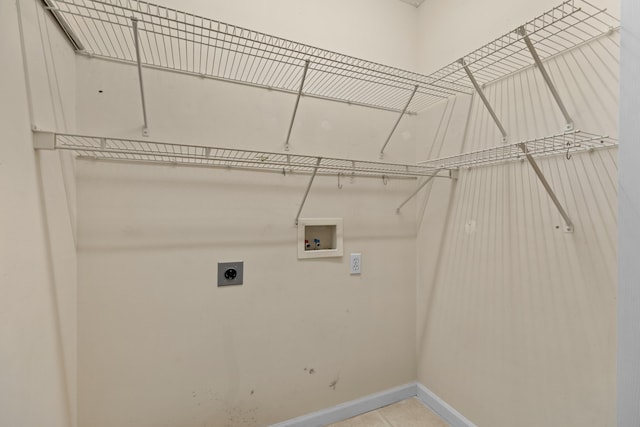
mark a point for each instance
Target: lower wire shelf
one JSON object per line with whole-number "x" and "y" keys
{"x": 565, "y": 143}
{"x": 130, "y": 150}
{"x": 553, "y": 145}
{"x": 137, "y": 151}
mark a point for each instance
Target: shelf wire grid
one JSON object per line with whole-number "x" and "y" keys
{"x": 128, "y": 150}
{"x": 554, "y": 145}
{"x": 187, "y": 43}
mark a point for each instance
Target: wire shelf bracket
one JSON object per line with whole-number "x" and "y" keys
{"x": 415, "y": 193}
{"x": 306, "y": 193}
{"x": 543, "y": 71}
{"x": 136, "y": 39}
{"x": 402, "y": 113}
{"x": 568, "y": 223}
{"x": 295, "y": 108}
{"x": 484, "y": 99}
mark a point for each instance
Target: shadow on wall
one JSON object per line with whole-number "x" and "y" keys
{"x": 516, "y": 307}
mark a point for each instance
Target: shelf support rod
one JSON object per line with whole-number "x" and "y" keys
{"x": 402, "y": 113}
{"x": 568, "y": 223}
{"x": 484, "y": 99}
{"x": 295, "y": 108}
{"x": 136, "y": 39}
{"x": 306, "y": 193}
{"x": 420, "y": 187}
{"x": 545, "y": 75}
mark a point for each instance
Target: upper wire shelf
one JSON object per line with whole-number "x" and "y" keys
{"x": 566, "y": 143}
{"x": 180, "y": 41}
{"x": 187, "y": 43}
{"x": 571, "y": 24}
{"x": 130, "y": 150}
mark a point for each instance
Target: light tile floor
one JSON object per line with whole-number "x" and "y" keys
{"x": 407, "y": 413}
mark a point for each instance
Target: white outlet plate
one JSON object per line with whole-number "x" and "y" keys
{"x": 355, "y": 263}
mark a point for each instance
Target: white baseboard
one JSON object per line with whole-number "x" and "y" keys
{"x": 442, "y": 408}
{"x": 350, "y": 409}
{"x": 375, "y": 401}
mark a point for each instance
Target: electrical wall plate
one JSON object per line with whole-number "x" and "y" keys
{"x": 230, "y": 273}
{"x": 355, "y": 264}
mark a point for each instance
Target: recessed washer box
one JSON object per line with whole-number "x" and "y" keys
{"x": 319, "y": 237}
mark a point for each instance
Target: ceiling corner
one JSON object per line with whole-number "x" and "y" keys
{"x": 415, "y": 3}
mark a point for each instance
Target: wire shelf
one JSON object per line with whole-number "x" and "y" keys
{"x": 562, "y": 144}
{"x": 187, "y": 43}
{"x": 129, "y": 150}
{"x": 571, "y": 24}
{"x": 180, "y": 41}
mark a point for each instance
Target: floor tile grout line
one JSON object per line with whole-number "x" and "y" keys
{"x": 381, "y": 420}
{"x": 389, "y": 424}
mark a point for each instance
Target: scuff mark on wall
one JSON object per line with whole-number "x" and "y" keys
{"x": 240, "y": 417}
{"x": 334, "y": 383}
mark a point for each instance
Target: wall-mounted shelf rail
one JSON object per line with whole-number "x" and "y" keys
{"x": 554, "y": 145}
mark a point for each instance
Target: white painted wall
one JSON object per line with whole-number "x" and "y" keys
{"x": 525, "y": 323}
{"x": 628, "y": 390}
{"x": 37, "y": 248}
{"x": 516, "y": 319}
{"x": 159, "y": 343}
